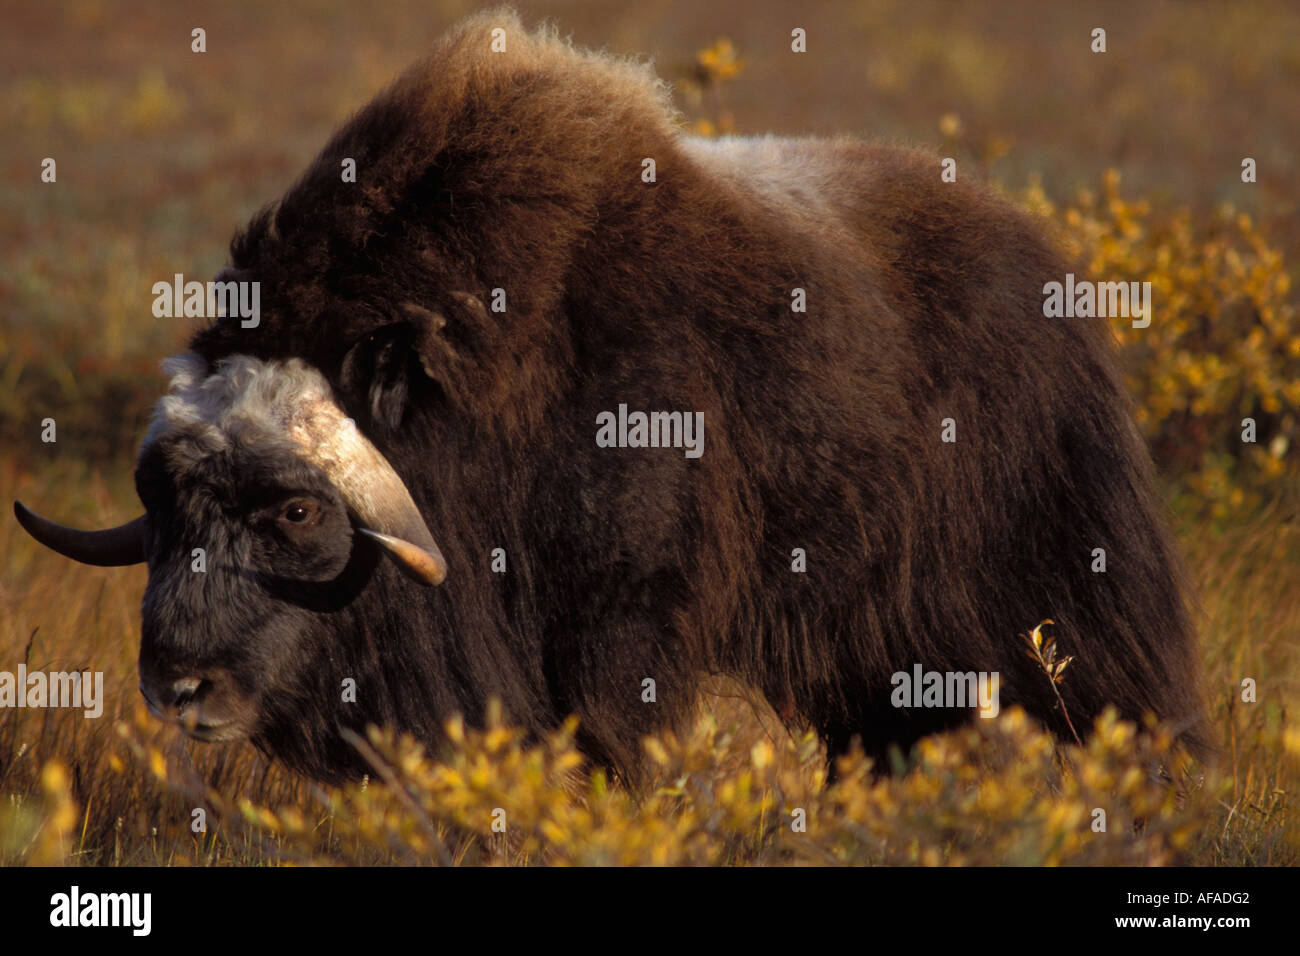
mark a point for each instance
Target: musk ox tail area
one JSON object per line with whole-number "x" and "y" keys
{"x": 902, "y": 462}
{"x": 976, "y": 472}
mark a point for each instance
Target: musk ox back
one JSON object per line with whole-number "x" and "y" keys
{"x": 448, "y": 378}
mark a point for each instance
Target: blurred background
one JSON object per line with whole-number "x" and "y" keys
{"x": 163, "y": 153}
{"x": 1134, "y": 156}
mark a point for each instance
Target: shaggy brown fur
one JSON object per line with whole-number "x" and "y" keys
{"x": 522, "y": 171}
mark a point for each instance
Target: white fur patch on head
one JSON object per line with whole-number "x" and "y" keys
{"x": 244, "y": 399}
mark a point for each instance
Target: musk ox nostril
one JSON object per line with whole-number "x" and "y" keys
{"x": 186, "y": 690}
{"x": 207, "y": 707}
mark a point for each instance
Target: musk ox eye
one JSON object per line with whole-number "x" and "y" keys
{"x": 300, "y": 512}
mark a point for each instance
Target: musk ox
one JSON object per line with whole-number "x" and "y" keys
{"x": 445, "y": 379}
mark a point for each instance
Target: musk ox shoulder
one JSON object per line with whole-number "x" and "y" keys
{"x": 908, "y": 464}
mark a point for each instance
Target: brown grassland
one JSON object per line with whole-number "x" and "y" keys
{"x": 1134, "y": 155}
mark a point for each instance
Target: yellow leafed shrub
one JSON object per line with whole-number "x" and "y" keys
{"x": 1000, "y": 792}
{"x": 1223, "y": 344}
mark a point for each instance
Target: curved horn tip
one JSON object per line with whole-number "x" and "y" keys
{"x": 419, "y": 564}
{"x": 112, "y": 548}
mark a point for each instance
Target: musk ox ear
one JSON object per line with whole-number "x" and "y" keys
{"x": 393, "y": 363}
{"x": 377, "y": 373}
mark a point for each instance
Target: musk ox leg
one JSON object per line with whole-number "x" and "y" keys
{"x": 880, "y": 729}
{"x": 624, "y": 679}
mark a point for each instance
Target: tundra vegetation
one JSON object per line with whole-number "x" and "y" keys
{"x": 78, "y": 344}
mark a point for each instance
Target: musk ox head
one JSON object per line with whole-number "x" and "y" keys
{"x": 251, "y": 474}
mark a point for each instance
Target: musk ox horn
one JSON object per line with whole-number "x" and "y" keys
{"x": 368, "y": 485}
{"x": 113, "y": 548}
{"x": 421, "y": 564}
